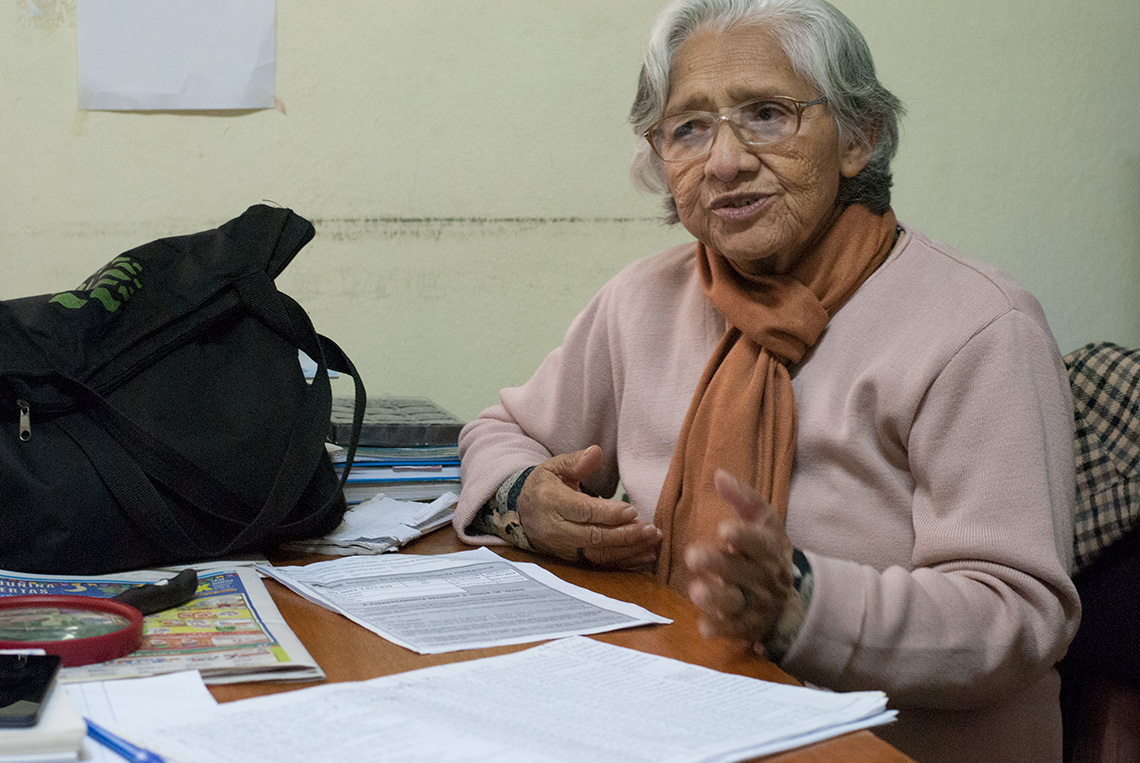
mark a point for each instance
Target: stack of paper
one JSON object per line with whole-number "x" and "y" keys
{"x": 380, "y": 524}
{"x": 569, "y": 701}
{"x": 407, "y": 450}
{"x": 400, "y": 473}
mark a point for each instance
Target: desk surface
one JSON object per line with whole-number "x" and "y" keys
{"x": 348, "y": 652}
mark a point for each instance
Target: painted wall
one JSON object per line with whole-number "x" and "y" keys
{"x": 465, "y": 164}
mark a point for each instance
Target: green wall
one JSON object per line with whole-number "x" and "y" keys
{"x": 465, "y": 164}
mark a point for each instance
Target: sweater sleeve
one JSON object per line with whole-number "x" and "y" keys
{"x": 567, "y": 405}
{"x": 986, "y": 604}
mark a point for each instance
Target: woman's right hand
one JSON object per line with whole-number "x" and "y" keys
{"x": 561, "y": 521}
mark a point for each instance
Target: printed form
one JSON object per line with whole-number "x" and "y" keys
{"x": 466, "y": 600}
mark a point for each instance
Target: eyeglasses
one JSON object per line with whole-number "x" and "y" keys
{"x": 690, "y": 134}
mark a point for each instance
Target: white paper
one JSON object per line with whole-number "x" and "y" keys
{"x": 467, "y": 600}
{"x": 569, "y": 701}
{"x": 379, "y": 525}
{"x": 137, "y": 703}
{"x": 175, "y": 54}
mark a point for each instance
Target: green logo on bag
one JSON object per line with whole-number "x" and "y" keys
{"x": 111, "y": 286}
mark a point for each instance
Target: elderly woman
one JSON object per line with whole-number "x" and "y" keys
{"x": 850, "y": 445}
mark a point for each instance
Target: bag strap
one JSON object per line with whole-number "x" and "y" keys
{"x": 289, "y": 320}
{"x": 135, "y": 492}
{"x": 131, "y": 460}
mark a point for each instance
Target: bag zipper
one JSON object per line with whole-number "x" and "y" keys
{"x": 25, "y": 420}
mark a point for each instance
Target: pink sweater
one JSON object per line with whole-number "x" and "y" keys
{"x": 932, "y": 493}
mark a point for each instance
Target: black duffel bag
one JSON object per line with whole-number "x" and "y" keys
{"x": 159, "y": 414}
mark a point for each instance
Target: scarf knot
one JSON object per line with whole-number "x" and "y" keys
{"x": 777, "y": 312}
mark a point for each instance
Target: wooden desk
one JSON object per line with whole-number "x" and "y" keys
{"x": 348, "y": 652}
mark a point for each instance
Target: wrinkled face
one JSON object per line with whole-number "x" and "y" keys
{"x": 759, "y": 206}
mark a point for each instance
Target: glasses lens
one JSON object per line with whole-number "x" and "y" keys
{"x": 765, "y": 121}
{"x": 684, "y": 136}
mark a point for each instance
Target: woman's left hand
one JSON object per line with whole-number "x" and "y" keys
{"x": 742, "y": 584}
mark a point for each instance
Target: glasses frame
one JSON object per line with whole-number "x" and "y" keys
{"x": 719, "y": 119}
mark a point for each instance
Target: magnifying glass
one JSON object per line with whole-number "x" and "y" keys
{"x": 86, "y": 629}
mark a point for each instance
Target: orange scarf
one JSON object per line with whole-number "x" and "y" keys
{"x": 743, "y": 414}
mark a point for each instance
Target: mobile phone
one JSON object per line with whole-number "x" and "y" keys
{"x": 25, "y": 681}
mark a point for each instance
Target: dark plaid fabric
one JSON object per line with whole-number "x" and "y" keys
{"x": 1106, "y": 397}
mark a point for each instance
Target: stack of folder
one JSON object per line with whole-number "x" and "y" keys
{"x": 408, "y": 449}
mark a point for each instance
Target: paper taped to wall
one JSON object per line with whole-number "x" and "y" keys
{"x": 138, "y": 55}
